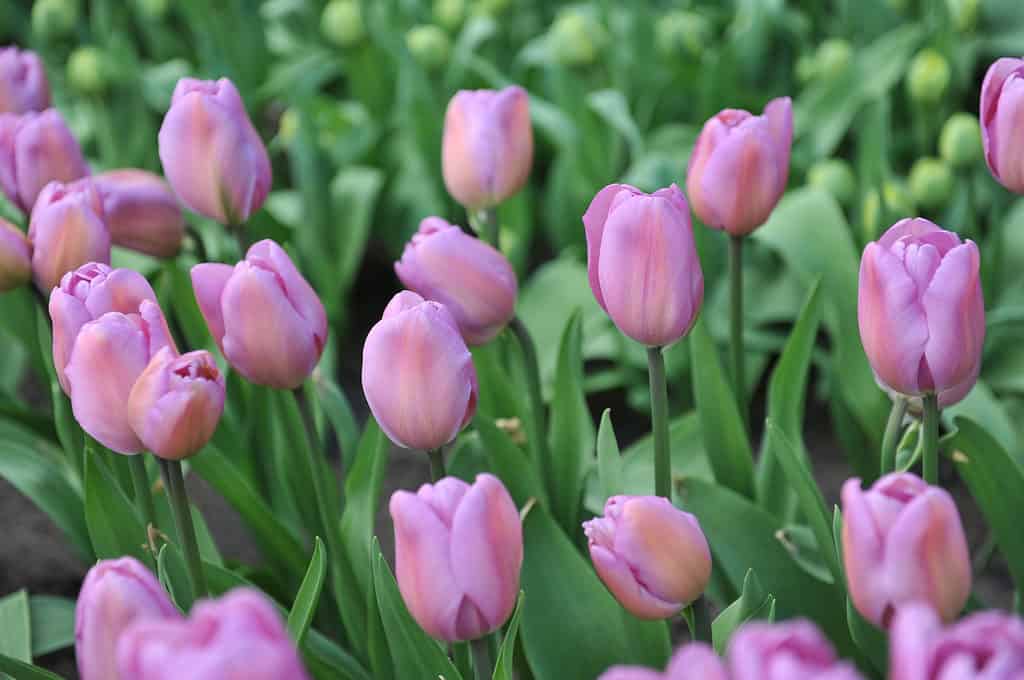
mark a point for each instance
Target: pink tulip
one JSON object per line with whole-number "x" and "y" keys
{"x": 694, "y": 661}
{"x": 921, "y": 312}
{"x": 36, "y": 149}
{"x": 652, "y": 556}
{"x": 23, "y": 84}
{"x": 458, "y": 551}
{"x": 793, "y": 650}
{"x": 15, "y": 257}
{"x": 984, "y": 646}
{"x": 267, "y": 320}
{"x": 1002, "y": 122}
{"x": 469, "y": 277}
{"x": 487, "y": 148}
{"x": 67, "y": 230}
{"x": 142, "y": 212}
{"x": 115, "y": 595}
{"x": 240, "y": 635}
{"x": 418, "y": 375}
{"x": 211, "y": 153}
{"x": 903, "y": 542}
{"x": 739, "y": 167}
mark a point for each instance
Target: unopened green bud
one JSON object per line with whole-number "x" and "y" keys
{"x": 806, "y": 68}
{"x": 960, "y": 140}
{"x": 931, "y": 182}
{"x": 154, "y": 10}
{"x": 871, "y": 215}
{"x": 575, "y": 38}
{"x": 899, "y": 201}
{"x": 87, "y": 70}
{"x": 928, "y": 76}
{"x": 682, "y": 31}
{"x": 288, "y": 126}
{"x": 833, "y": 58}
{"x": 491, "y": 7}
{"x": 429, "y": 45}
{"x": 449, "y": 13}
{"x": 342, "y": 23}
{"x": 834, "y": 176}
{"x": 964, "y": 14}
{"x": 55, "y": 18}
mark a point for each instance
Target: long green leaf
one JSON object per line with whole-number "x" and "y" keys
{"x": 53, "y": 623}
{"x": 510, "y": 463}
{"x": 609, "y": 460}
{"x": 114, "y": 525}
{"x": 306, "y": 600}
{"x": 16, "y": 626}
{"x": 504, "y": 665}
{"x": 753, "y": 603}
{"x": 19, "y": 670}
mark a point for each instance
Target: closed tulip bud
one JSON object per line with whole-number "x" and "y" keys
{"x": 576, "y": 37}
{"x": 418, "y": 374}
{"x": 921, "y": 312}
{"x": 115, "y": 595}
{"x": 903, "y": 542}
{"x": 652, "y": 556}
{"x": 449, "y": 13}
{"x": 23, "y": 83}
{"x": 642, "y": 262}
{"x": 67, "y": 230}
{"x": 928, "y": 77}
{"x": 987, "y": 645}
{"x": 141, "y": 212}
{"x": 469, "y": 277}
{"x": 342, "y": 22}
{"x": 15, "y": 257}
{"x": 211, "y": 153}
{"x": 931, "y": 182}
{"x": 683, "y": 32}
{"x": 739, "y": 167}
{"x": 960, "y": 140}
{"x": 55, "y": 18}
{"x": 458, "y": 552}
{"x": 964, "y": 13}
{"x": 36, "y": 149}
{"x": 240, "y": 635}
{"x": 834, "y": 176}
{"x": 1001, "y": 113}
{"x": 833, "y": 58}
{"x": 794, "y": 650}
{"x": 694, "y": 661}
{"x": 487, "y": 148}
{"x": 88, "y": 70}
{"x": 429, "y": 45}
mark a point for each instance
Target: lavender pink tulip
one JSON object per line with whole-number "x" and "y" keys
{"x": 15, "y": 257}
{"x": 211, "y": 153}
{"x": 652, "y": 556}
{"x": 694, "y": 661}
{"x": 23, "y": 84}
{"x": 921, "y": 311}
{"x": 67, "y": 230}
{"x": 983, "y": 646}
{"x": 642, "y": 262}
{"x": 141, "y": 211}
{"x": 1002, "y": 122}
{"x": 469, "y": 277}
{"x": 115, "y": 595}
{"x": 739, "y": 167}
{"x": 36, "y": 149}
{"x": 903, "y": 542}
{"x": 267, "y": 320}
{"x": 240, "y": 635}
{"x": 793, "y": 650}
{"x": 458, "y": 552}
{"x": 487, "y": 149}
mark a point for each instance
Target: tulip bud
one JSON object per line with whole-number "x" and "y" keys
{"x": 834, "y": 176}
{"x": 141, "y": 212}
{"x": 739, "y": 167}
{"x": 921, "y": 312}
{"x": 429, "y": 45}
{"x": 115, "y": 595}
{"x": 833, "y": 58}
{"x": 212, "y": 155}
{"x": 642, "y": 262}
{"x": 267, "y": 320}
{"x": 15, "y": 257}
{"x": 683, "y": 32}
{"x": 1001, "y": 110}
{"x": 693, "y": 661}
{"x": 67, "y": 230}
{"x": 576, "y": 37}
{"x": 928, "y": 77}
{"x": 903, "y": 542}
{"x": 36, "y": 149}
{"x": 449, "y": 13}
{"x": 23, "y": 84}
{"x": 458, "y": 552}
{"x": 794, "y": 650}
{"x": 931, "y": 182}
{"x": 897, "y": 197}
{"x": 652, "y": 556}
{"x": 987, "y": 645}
{"x": 240, "y": 635}
{"x": 152, "y": 10}
{"x": 964, "y": 13}
{"x": 53, "y": 19}
{"x": 87, "y": 70}
{"x": 469, "y": 277}
{"x": 487, "y": 148}
{"x": 960, "y": 140}
{"x": 418, "y": 375}
{"x": 342, "y": 23}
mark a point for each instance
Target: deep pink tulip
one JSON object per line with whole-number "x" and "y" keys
{"x": 211, "y": 153}
{"x": 652, "y": 556}
{"x": 792, "y": 650}
{"x": 176, "y": 403}
{"x": 739, "y": 167}
{"x": 1002, "y": 122}
{"x": 694, "y": 661}
{"x": 115, "y": 595}
{"x": 903, "y": 542}
{"x": 487, "y": 148}
{"x": 418, "y": 375}
{"x": 36, "y": 149}
{"x": 15, "y": 257}
{"x": 921, "y": 312}
{"x": 458, "y": 552}
{"x": 469, "y": 277}
{"x": 23, "y": 84}
{"x": 240, "y": 635}
{"x": 141, "y": 211}
{"x": 267, "y": 320}
{"x": 67, "y": 230}
{"x": 983, "y": 646}
{"x": 642, "y": 262}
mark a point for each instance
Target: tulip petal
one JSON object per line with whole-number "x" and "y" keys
{"x": 913, "y": 628}
{"x": 778, "y": 115}
{"x": 45, "y": 151}
{"x": 66, "y": 235}
{"x": 122, "y": 290}
{"x": 209, "y": 280}
{"x": 270, "y": 256}
{"x": 1007, "y": 131}
{"x": 955, "y": 311}
{"x": 68, "y": 315}
{"x": 862, "y": 552}
{"x": 631, "y": 673}
{"x": 594, "y": 220}
{"x": 444, "y": 497}
{"x": 991, "y": 91}
{"x": 695, "y": 661}
{"x": 619, "y": 579}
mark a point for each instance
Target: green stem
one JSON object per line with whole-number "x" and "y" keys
{"x": 486, "y": 225}
{"x": 462, "y": 656}
{"x": 659, "y": 422}
{"x": 930, "y": 433}
{"x": 537, "y": 414}
{"x": 199, "y": 245}
{"x": 437, "y": 472}
{"x": 175, "y": 483}
{"x": 482, "y": 658}
{"x": 143, "y": 495}
{"x": 702, "y": 619}
{"x": 893, "y": 432}
{"x": 739, "y": 382}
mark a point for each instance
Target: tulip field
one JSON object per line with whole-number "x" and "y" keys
{"x": 512, "y": 340}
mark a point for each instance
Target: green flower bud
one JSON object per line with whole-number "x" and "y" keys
{"x": 55, "y": 18}
{"x": 871, "y": 215}
{"x": 898, "y": 199}
{"x": 834, "y": 176}
{"x": 928, "y": 76}
{"x": 960, "y": 140}
{"x": 429, "y": 45}
{"x": 681, "y": 31}
{"x": 153, "y": 10}
{"x": 833, "y": 58}
{"x": 87, "y": 70}
{"x": 931, "y": 182}
{"x": 806, "y": 68}
{"x": 575, "y": 38}
{"x": 288, "y": 126}
{"x": 342, "y": 23}
{"x": 964, "y": 14}
{"x": 491, "y": 7}
{"x": 449, "y": 13}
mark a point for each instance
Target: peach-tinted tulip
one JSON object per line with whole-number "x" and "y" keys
{"x": 67, "y": 230}
{"x": 1002, "y": 122}
{"x": 141, "y": 211}
{"x": 791, "y": 650}
{"x": 36, "y": 149}
{"x": 15, "y": 257}
{"x": 23, "y": 84}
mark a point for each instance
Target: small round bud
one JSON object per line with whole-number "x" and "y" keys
{"x": 928, "y": 76}
{"x": 931, "y": 182}
{"x": 964, "y": 14}
{"x": 54, "y": 18}
{"x": 898, "y": 199}
{"x": 288, "y": 126}
{"x": 833, "y": 57}
{"x": 342, "y": 23}
{"x": 87, "y": 71}
{"x": 449, "y": 13}
{"x": 960, "y": 140}
{"x": 491, "y": 7}
{"x": 834, "y": 176}
{"x": 681, "y": 31}
{"x": 575, "y": 38}
{"x": 153, "y": 10}
{"x": 806, "y": 68}
{"x": 429, "y": 45}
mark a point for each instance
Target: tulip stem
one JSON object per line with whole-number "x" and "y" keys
{"x": 436, "y": 456}
{"x": 143, "y": 496}
{"x": 174, "y": 481}
{"x": 893, "y": 430}
{"x": 482, "y": 662}
{"x": 697, "y": 620}
{"x": 659, "y": 422}
{"x": 519, "y": 329}
{"x": 930, "y": 432}
{"x": 739, "y": 382}
{"x": 486, "y": 225}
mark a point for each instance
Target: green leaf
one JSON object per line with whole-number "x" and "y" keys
{"x": 510, "y": 463}
{"x": 308, "y": 596}
{"x": 114, "y": 526}
{"x": 609, "y": 460}
{"x": 173, "y": 576}
{"x": 613, "y": 107}
{"x": 339, "y": 412}
{"x": 504, "y": 665}
{"x": 753, "y": 603}
{"x": 53, "y": 623}
{"x": 19, "y": 670}
{"x": 16, "y": 626}
{"x": 362, "y": 496}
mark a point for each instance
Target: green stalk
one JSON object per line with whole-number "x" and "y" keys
{"x": 175, "y": 483}
{"x": 659, "y": 422}
{"x": 482, "y": 662}
{"x": 893, "y": 431}
{"x": 485, "y": 223}
{"x": 739, "y": 382}
{"x": 437, "y": 471}
{"x": 930, "y": 432}
{"x": 143, "y": 495}
{"x": 519, "y": 329}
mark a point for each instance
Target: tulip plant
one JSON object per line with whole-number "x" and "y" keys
{"x": 433, "y": 487}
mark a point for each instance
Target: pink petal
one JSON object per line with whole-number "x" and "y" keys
{"x": 594, "y": 220}
{"x": 209, "y": 280}
{"x": 863, "y": 545}
{"x": 623, "y": 585}
{"x": 955, "y": 311}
